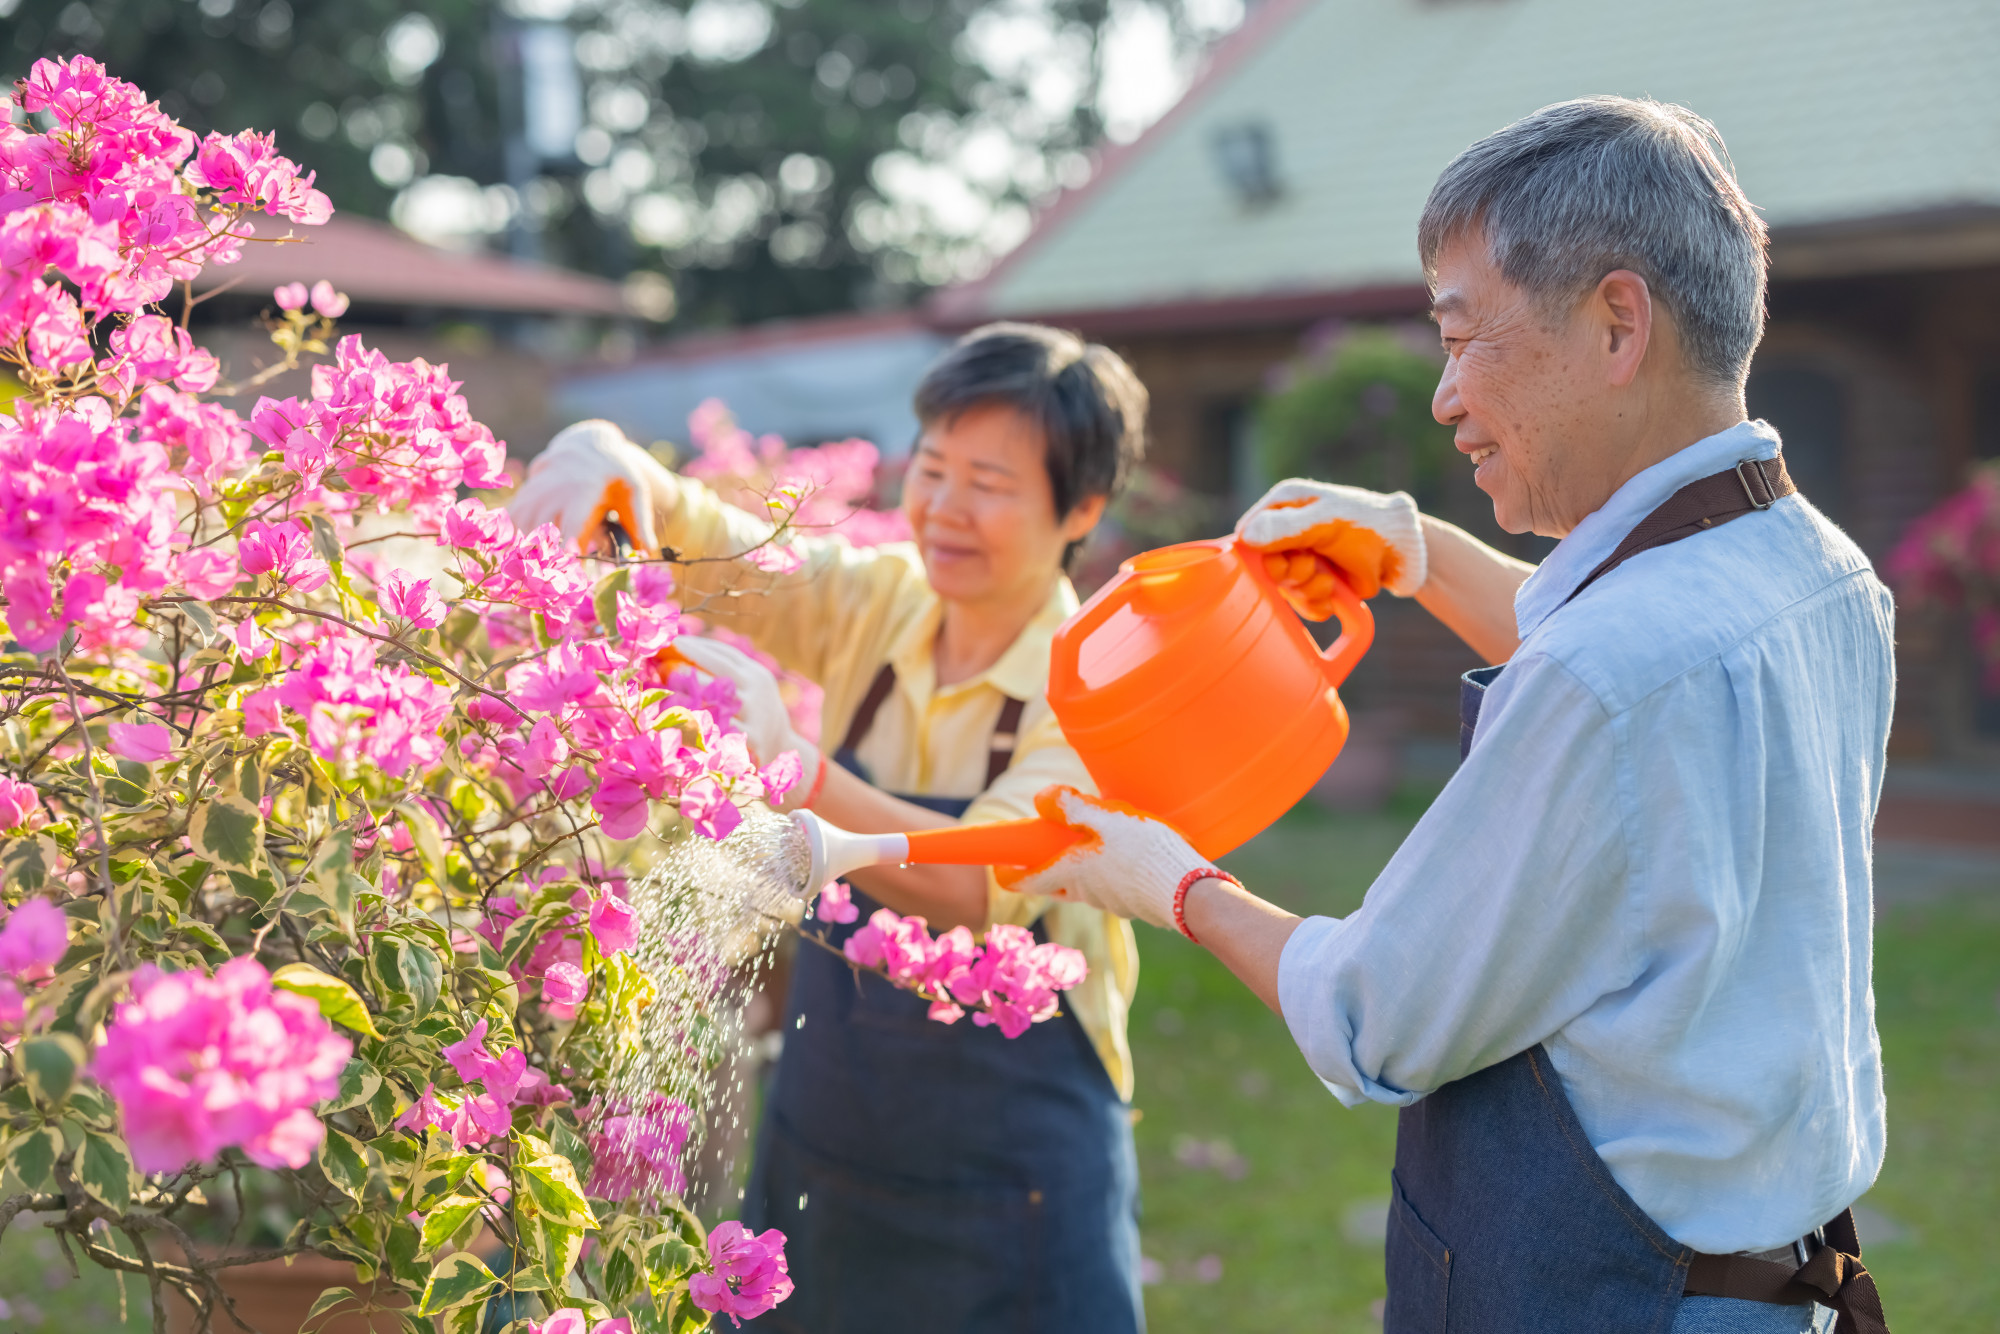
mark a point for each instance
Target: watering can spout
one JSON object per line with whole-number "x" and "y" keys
{"x": 1005, "y": 843}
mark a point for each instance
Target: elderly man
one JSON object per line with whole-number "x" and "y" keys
{"x": 1618, "y": 976}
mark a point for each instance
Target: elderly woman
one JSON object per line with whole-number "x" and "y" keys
{"x": 1618, "y": 976}
{"x": 929, "y": 1178}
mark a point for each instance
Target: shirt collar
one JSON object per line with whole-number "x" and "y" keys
{"x": 1593, "y": 540}
{"x": 1022, "y": 672}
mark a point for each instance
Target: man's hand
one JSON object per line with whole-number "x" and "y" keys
{"x": 762, "y": 715}
{"x": 588, "y": 473}
{"x": 1127, "y": 863}
{"x": 1313, "y": 532}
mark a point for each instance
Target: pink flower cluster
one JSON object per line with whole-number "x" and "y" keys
{"x": 357, "y": 708}
{"x": 32, "y": 940}
{"x": 398, "y": 431}
{"x": 636, "y": 1147}
{"x": 1951, "y": 556}
{"x": 1011, "y": 980}
{"x": 475, "y": 1116}
{"x": 836, "y": 481}
{"x": 750, "y": 1275}
{"x": 570, "y": 1320}
{"x": 200, "y": 1063}
{"x": 557, "y": 959}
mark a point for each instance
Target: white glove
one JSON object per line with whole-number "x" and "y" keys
{"x": 1373, "y": 539}
{"x": 1128, "y": 862}
{"x": 588, "y": 471}
{"x": 763, "y": 718}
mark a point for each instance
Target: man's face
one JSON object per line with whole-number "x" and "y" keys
{"x": 1523, "y": 390}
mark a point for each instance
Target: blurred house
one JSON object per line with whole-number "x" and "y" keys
{"x": 503, "y": 325}
{"x": 1283, "y": 193}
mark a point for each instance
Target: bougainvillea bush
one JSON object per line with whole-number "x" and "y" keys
{"x": 1950, "y": 557}
{"x": 311, "y": 858}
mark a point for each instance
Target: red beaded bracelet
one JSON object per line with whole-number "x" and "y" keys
{"x": 1187, "y": 883}
{"x": 819, "y": 783}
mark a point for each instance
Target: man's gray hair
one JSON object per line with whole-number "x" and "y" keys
{"x": 1581, "y": 188}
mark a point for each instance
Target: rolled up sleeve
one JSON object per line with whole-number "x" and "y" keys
{"x": 1505, "y": 914}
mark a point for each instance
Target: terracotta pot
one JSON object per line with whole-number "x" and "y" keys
{"x": 273, "y": 1298}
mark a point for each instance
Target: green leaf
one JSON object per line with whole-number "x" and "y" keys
{"x": 552, "y": 1183}
{"x": 50, "y": 1065}
{"x": 358, "y": 1083}
{"x": 426, "y": 839}
{"x": 422, "y": 975}
{"x": 604, "y": 598}
{"x": 326, "y": 542}
{"x": 25, "y": 864}
{"x": 445, "y": 1217}
{"x": 104, "y": 1166}
{"x": 455, "y": 1281}
{"x": 344, "y": 1161}
{"x": 229, "y": 831}
{"x": 571, "y": 1146}
{"x": 32, "y": 1156}
{"x": 328, "y": 1300}
{"x": 403, "y": 1245}
{"x": 258, "y": 887}
{"x": 337, "y": 1001}
{"x": 203, "y": 621}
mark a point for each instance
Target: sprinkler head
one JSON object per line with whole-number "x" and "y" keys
{"x": 836, "y": 851}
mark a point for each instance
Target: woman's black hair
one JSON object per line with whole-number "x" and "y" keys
{"x": 1089, "y": 404}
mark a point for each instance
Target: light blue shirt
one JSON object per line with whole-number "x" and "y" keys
{"x": 1655, "y": 861}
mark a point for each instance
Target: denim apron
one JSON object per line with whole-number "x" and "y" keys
{"x": 1503, "y": 1218}
{"x": 940, "y": 1179}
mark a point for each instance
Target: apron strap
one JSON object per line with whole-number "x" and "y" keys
{"x": 1710, "y": 502}
{"x": 1006, "y": 729}
{"x": 1833, "y": 1277}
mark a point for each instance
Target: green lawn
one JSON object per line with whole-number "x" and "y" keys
{"x": 1290, "y": 1205}
{"x": 1251, "y": 1169}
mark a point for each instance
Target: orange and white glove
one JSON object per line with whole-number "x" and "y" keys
{"x": 1312, "y": 532}
{"x": 1127, "y": 862}
{"x": 589, "y": 472}
{"x": 761, "y": 714}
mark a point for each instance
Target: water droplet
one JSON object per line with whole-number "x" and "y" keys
{"x": 802, "y": 1203}
{"x": 801, "y": 1023}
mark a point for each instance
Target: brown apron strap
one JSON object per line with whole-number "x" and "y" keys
{"x": 1754, "y": 484}
{"x": 1006, "y": 729}
{"x": 1833, "y": 1277}
{"x": 879, "y": 691}
{"x": 1006, "y": 734}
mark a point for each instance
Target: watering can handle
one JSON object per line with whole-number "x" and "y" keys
{"x": 1357, "y": 632}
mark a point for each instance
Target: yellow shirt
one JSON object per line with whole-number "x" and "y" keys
{"x": 835, "y": 621}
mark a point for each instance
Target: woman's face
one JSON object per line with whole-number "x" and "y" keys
{"x": 982, "y": 511}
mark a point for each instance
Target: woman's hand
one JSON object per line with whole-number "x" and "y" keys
{"x": 766, "y": 722}
{"x": 589, "y": 472}
{"x": 1127, "y": 863}
{"x": 1312, "y": 532}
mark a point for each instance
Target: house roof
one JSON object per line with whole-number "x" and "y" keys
{"x": 1835, "y": 112}
{"x": 375, "y": 264}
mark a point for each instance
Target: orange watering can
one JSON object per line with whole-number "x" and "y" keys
{"x": 1190, "y": 689}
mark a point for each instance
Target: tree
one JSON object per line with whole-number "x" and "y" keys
{"x": 775, "y": 157}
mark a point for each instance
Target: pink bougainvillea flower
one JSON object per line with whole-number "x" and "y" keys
{"x": 404, "y": 594}
{"x": 32, "y": 940}
{"x": 200, "y": 1063}
{"x": 13, "y": 1007}
{"x": 569, "y": 1320}
{"x": 250, "y": 640}
{"x": 836, "y": 904}
{"x": 283, "y": 551}
{"x": 615, "y": 924}
{"x": 706, "y": 805}
{"x": 564, "y": 987}
{"x": 774, "y": 559}
{"x": 328, "y": 302}
{"x": 750, "y": 1275}
{"x": 636, "y": 1147}
{"x": 289, "y": 296}
{"x": 262, "y": 713}
{"x": 20, "y": 804}
{"x": 147, "y": 743}
{"x": 205, "y": 572}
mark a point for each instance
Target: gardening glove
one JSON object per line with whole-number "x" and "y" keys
{"x": 1128, "y": 862}
{"x": 1314, "y": 532}
{"x": 761, "y": 712}
{"x": 589, "y": 471}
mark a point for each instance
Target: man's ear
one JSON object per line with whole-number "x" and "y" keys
{"x": 1076, "y": 525}
{"x": 1622, "y": 308}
